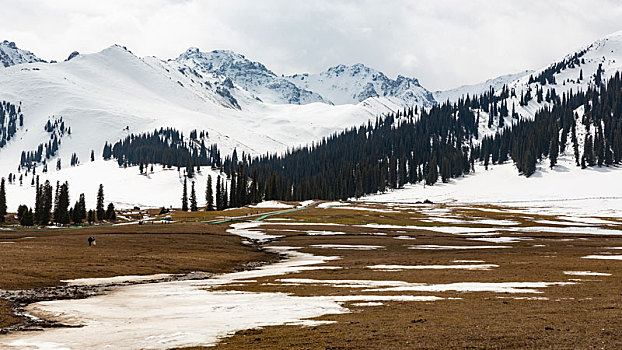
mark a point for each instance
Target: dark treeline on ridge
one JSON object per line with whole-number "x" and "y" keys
{"x": 165, "y": 146}
{"x": 420, "y": 146}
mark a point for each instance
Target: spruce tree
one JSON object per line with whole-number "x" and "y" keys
{"x": 209, "y": 194}
{"x": 219, "y": 205}
{"x": 2, "y": 201}
{"x": 99, "y": 209}
{"x": 553, "y": 150}
{"x": 46, "y": 206}
{"x": 81, "y": 209}
{"x": 233, "y": 198}
{"x": 184, "y": 196}
{"x": 193, "y": 199}
{"x": 75, "y": 213}
{"x": 61, "y": 214}
{"x": 432, "y": 174}
{"x": 110, "y": 213}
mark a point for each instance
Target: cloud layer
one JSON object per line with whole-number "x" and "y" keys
{"x": 445, "y": 43}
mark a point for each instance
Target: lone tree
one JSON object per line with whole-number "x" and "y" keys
{"x": 2, "y": 201}
{"x": 209, "y": 194}
{"x": 101, "y": 213}
{"x": 184, "y": 196}
{"x": 193, "y": 199}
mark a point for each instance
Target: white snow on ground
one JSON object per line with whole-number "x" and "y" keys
{"x": 570, "y": 230}
{"x": 468, "y": 261}
{"x": 347, "y": 246}
{"x": 272, "y": 204}
{"x": 327, "y": 205}
{"x": 118, "y": 279}
{"x": 586, "y": 273}
{"x": 561, "y": 223}
{"x": 369, "y": 209}
{"x": 565, "y": 190}
{"x": 494, "y": 222}
{"x": 586, "y": 220}
{"x": 305, "y": 203}
{"x": 449, "y": 247}
{"x": 603, "y": 257}
{"x": 499, "y": 239}
{"x": 433, "y": 267}
{"x": 401, "y": 286}
{"x": 245, "y": 229}
{"x": 323, "y": 233}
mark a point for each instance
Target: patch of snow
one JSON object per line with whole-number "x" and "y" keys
{"x": 603, "y": 257}
{"x": 433, "y": 267}
{"x": 450, "y": 247}
{"x": 271, "y": 204}
{"x": 115, "y": 280}
{"x": 347, "y": 246}
{"x": 585, "y": 273}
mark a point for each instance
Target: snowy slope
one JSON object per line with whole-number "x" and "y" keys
{"x": 11, "y": 55}
{"x": 353, "y": 84}
{"x": 590, "y": 191}
{"x": 496, "y": 83}
{"x": 566, "y": 189}
{"x": 104, "y": 96}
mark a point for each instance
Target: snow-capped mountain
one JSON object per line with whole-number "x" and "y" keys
{"x": 475, "y": 89}
{"x": 587, "y": 66}
{"x": 11, "y": 55}
{"x": 252, "y": 76}
{"x": 105, "y": 96}
{"x": 353, "y": 84}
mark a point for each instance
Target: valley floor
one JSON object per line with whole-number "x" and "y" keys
{"x": 352, "y": 275}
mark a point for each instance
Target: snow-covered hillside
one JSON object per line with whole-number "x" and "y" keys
{"x": 353, "y": 84}
{"x": 11, "y": 55}
{"x": 105, "y": 96}
{"x": 497, "y": 83}
{"x": 562, "y": 190}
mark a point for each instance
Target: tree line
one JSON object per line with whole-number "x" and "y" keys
{"x": 52, "y": 206}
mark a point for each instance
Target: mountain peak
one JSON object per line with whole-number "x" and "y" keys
{"x": 11, "y": 55}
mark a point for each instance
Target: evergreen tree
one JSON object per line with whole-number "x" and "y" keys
{"x": 184, "y": 196}
{"x": 81, "y": 209}
{"x": 91, "y": 217}
{"x": 25, "y": 216}
{"x": 193, "y": 199}
{"x": 92, "y": 155}
{"x": 233, "y": 202}
{"x": 553, "y": 150}
{"x": 209, "y": 194}
{"x": 432, "y": 174}
{"x": 61, "y": 214}
{"x": 219, "y": 204}
{"x": 2, "y": 201}
{"x": 110, "y": 213}
{"x": 99, "y": 209}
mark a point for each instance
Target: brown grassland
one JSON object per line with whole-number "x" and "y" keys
{"x": 586, "y": 314}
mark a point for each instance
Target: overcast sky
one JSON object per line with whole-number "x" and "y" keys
{"x": 444, "y": 43}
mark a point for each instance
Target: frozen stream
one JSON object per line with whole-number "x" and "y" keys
{"x": 185, "y": 313}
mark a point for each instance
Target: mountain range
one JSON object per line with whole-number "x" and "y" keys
{"x": 241, "y": 104}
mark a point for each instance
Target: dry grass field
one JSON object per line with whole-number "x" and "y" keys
{"x": 503, "y": 277}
